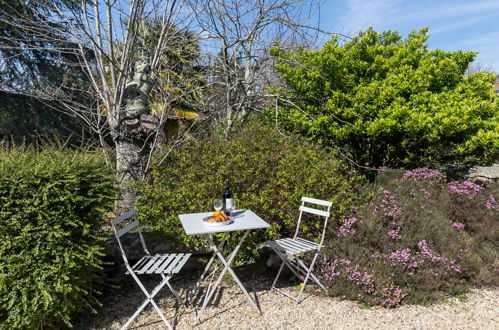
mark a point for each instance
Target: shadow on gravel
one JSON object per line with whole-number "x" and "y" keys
{"x": 120, "y": 303}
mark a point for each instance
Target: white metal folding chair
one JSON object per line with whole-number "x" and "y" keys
{"x": 163, "y": 264}
{"x": 291, "y": 250}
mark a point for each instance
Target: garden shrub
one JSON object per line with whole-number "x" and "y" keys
{"x": 51, "y": 206}
{"x": 267, "y": 173}
{"x": 388, "y": 100}
{"x": 420, "y": 238}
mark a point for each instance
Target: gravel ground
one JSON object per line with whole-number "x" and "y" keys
{"x": 230, "y": 310}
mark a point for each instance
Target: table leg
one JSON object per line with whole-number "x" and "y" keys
{"x": 226, "y": 263}
{"x": 198, "y": 283}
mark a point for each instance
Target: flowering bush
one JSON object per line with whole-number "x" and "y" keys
{"x": 466, "y": 188}
{"x": 424, "y": 174}
{"x": 418, "y": 239}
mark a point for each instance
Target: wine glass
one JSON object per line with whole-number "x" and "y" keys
{"x": 232, "y": 209}
{"x": 218, "y": 204}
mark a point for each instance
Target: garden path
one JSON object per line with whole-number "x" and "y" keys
{"x": 479, "y": 310}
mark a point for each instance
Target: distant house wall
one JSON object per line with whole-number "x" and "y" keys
{"x": 496, "y": 84}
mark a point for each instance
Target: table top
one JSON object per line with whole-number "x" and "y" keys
{"x": 243, "y": 220}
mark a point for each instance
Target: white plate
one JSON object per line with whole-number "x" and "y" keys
{"x": 217, "y": 224}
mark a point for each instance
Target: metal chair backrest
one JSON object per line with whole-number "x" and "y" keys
{"x": 311, "y": 210}
{"x": 119, "y": 231}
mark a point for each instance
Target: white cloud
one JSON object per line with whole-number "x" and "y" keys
{"x": 486, "y": 45}
{"x": 460, "y": 24}
{"x": 362, "y": 14}
{"x": 451, "y": 11}
{"x": 456, "y": 24}
{"x": 484, "y": 38}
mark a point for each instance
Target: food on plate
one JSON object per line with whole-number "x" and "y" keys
{"x": 217, "y": 213}
{"x": 217, "y": 218}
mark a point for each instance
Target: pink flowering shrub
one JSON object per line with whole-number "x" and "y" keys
{"x": 458, "y": 225}
{"x": 424, "y": 174}
{"x": 492, "y": 203}
{"x": 346, "y": 227}
{"x": 392, "y": 297}
{"x": 466, "y": 188}
{"x": 416, "y": 241}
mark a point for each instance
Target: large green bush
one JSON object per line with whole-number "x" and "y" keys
{"x": 267, "y": 173}
{"x": 420, "y": 239}
{"x": 51, "y": 206}
{"x": 391, "y": 101}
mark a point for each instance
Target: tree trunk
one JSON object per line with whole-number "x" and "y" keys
{"x": 134, "y": 134}
{"x": 131, "y": 156}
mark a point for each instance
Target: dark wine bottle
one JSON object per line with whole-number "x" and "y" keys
{"x": 227, "y": 200}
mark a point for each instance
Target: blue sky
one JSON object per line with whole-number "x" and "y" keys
{"x": 453, "y": 24}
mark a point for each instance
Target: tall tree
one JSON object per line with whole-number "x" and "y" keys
{"x": 237, "y": 36}
{"x": 121, "y": 64}
{"x": 28, "y": 58}
{"x": 125, "y": 49}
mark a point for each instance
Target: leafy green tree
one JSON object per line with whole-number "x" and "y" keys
{"x": 180, "y": 86}
{"x": 390, "y": 101}
{"x": 26, "y": 59}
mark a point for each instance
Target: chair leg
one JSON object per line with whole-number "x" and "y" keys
{"x": 165, "y": 321}
{"x": 301, "y": 290}
{"x": 278, "y": 274}
{"x": 287, "y": 263}
{"x": 177, "y": 297}
{"x": 137, "y": 312}
{"x": 309, "y": 272}
{"x": 312, "y": 276}
{"x": 149, "y": 299}
{"x": 142, "y": 306}
{"x": 300, "y": 266}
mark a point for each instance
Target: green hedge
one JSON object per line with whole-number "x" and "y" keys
{"x": 268, "y": 173}
{"x": 51, "y": 206}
